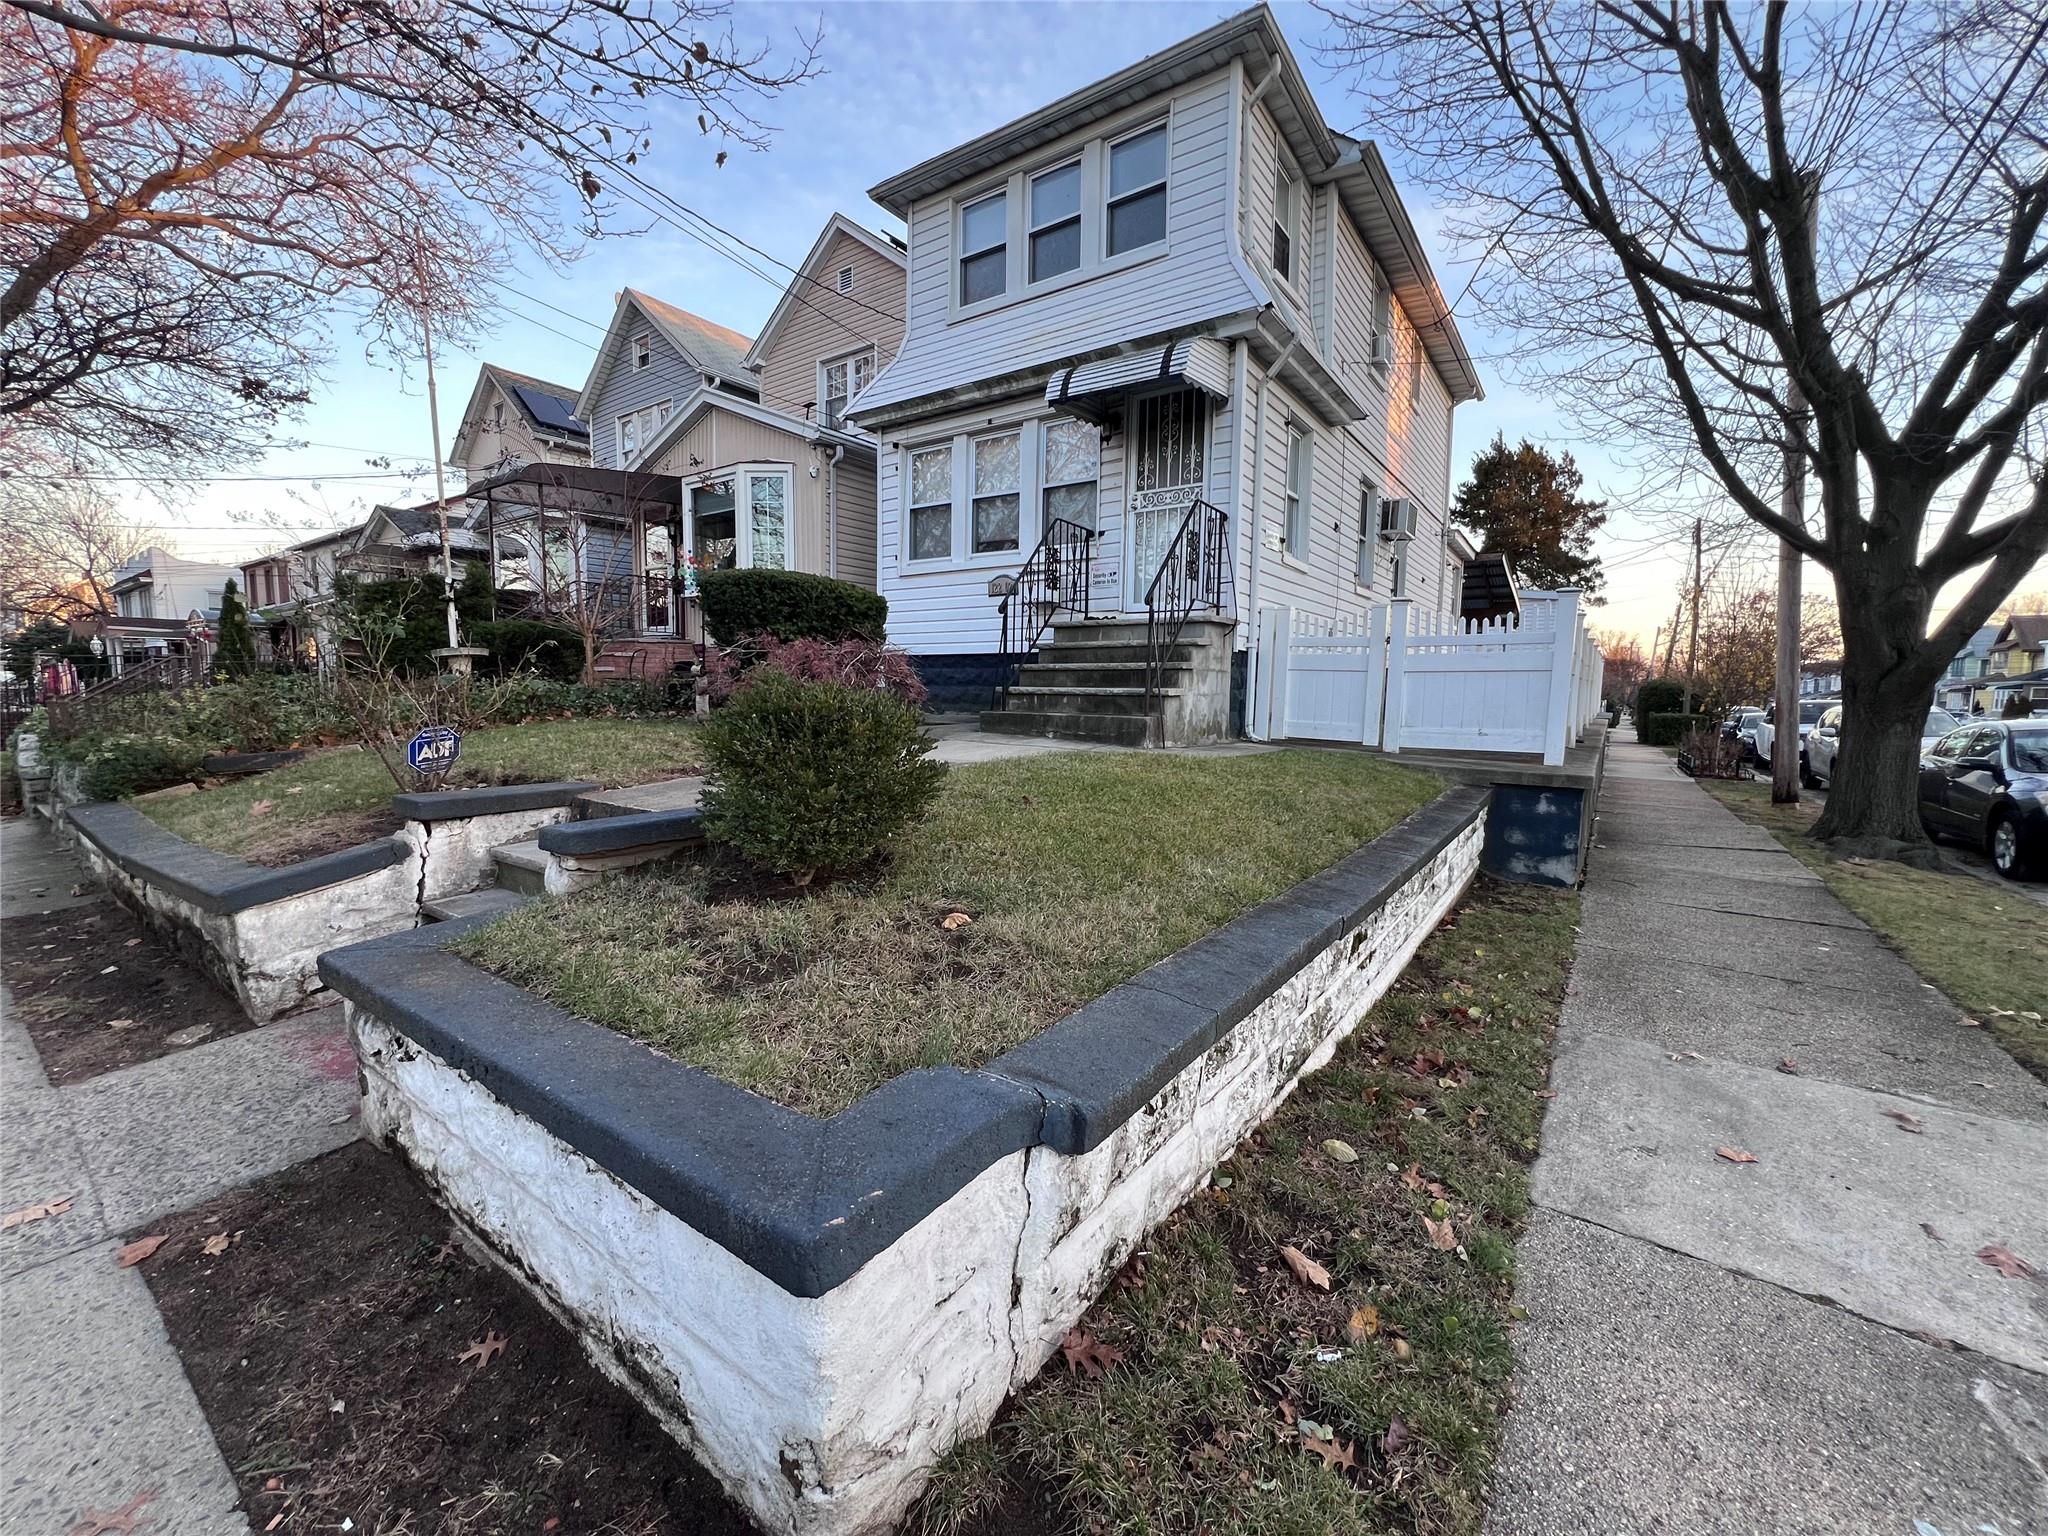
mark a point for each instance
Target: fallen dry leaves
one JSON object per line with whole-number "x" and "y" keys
{"x": 1442, "y": 1234}
{"x": 1088, "y": 1355}
{"x": 42, "y": 1210}
{"x": 2007, "y": 1263}
{"x": 1338, "y": 1455}
{"x": 216, "y": 1245}
{"x": 1340, "y": 1151}
{"x": 1397, "y": 1437}
{"x": 1787, "y": 1064}
{"x": 1734, "y": 1155}
{"x": 1907, "y": 1122}
{"x": 1306, "y": 1269}
{"x": 117, "y": 1522}
{"x": 483, "y": 1350}
{"x": 953, "y": 922}
{"x": 1364, "y": 1323}
{"x": 128, "y": 1255}
{"x": 262, "y": 807}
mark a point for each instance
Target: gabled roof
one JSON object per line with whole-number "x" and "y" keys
{"x": 549, "y": 409}
{"x": 709, "y": 347}
{"x": 2022, "y": 631}
{"x": 808, "y": 285}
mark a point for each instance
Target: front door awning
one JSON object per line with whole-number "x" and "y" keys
{"x": 1095, "y": 390}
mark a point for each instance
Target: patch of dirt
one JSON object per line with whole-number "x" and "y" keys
{"x": 289, "y": 842}
{"x": 97, "y": 989}
{"x": 326, "y": 1343}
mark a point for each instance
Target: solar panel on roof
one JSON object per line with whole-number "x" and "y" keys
{"x": 547, "y": 410}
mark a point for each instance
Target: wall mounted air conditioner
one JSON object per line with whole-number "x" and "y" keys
{"x": 1397, "y": 519}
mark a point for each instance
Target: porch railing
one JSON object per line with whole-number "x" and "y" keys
{"x": 162, "y": 674}
{"x": 1054, "y": 580}
{"x": 617, "y": 605}
{"x": 1194, "y": 576}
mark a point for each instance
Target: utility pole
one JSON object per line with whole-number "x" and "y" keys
{"x": 1792, "y": 507}
{"x": 1692, "y": 646}
{"x": 440, "y": 483}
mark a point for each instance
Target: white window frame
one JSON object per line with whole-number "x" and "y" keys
{"x": 1026, "y": 442}
{"x": 962, "y": 255}
{"x": 1366, "y": 565}
{"x": 643, "y": 350}
{"x": 1030, "y": 500}
{"x": 1288, "y": 188}
{"x": 1382, "y": 320}
{"x": 743, "y": 478}
{"x": 851, "y": 362}
{"x": 1093, "y": 157}
{"x": 1296, "y": 500}
{"x": 1078, "y": 218}
{"x": 951, "y": 445}
{"x": 1163, "y": 184}
{"x": 1047, "y": 485}
{"x": 647, "y": 421}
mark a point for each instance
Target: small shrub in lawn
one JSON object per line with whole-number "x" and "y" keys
{"x": 856, "y": 663}
{"x": 804, "y": 778}
{"x": 790, "y": 605}
{"x": 114, "y": 767}
{"x": 531, "y": 645}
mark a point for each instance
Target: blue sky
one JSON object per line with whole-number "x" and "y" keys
{"x": 904, "y": 81}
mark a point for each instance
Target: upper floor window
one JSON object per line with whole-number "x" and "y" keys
{"x": 1299, "y": 448}
{"x": 839, "y": 381}
{"x": 1382, "y": 321}
{"x": 636, "y": 429}
{"x": 931, "y": 503}
{"x": 984, "y": 248}
{"x": 1137, "y": 191}
{"x": 1286, "y": 222}
{"x": 643, "y": 351}
{"x": 1055, "y": 221}
{"x": 998, "y": 492}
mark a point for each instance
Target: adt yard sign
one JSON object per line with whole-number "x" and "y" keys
{"x": 434, "y": 750}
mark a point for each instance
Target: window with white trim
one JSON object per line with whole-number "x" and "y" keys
{"x": 1382, "y": 320}
{"x": 984, "y": 248}
{"x": 1136, "y": 215}
{"x": 997, "y": 502}
{"x": 643, "y": 351}
{"x": 1286, "y": 222}
{"x": 767, "y": 506}
{"x": 1055, "y": 235}
{"x": 1300, "y": 447}
{"x": 930, "y": 503}
{"x": 1072, "y": 460}
{"x": 840, "y": 381}
{"x": 1368, "y": 529}
{"x": 636, "y": 429}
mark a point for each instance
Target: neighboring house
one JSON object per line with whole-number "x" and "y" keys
{"x": 2021, "y": 645}
{"x": 1961, "y": 684}
{"x": 1820, "y": 679}
{"x": 1177, "y": 286}
{"x": 514, "y": 419}
{"x": 712, "y": 449}
{"x": 163, "y": 606}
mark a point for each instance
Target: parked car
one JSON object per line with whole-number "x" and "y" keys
{"x": 1987, "y": 783}
{"x": 1741, "y": 724}
{"x": 1823, "y": 746}
{"x": 1764, "y": 733}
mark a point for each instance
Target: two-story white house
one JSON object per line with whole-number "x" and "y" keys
{"x": 1173, "y": 352}
{"x": 710, "y": 448}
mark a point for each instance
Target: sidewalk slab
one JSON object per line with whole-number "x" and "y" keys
{"x": 1833, "y": 1205}
{"x": 175, "y": 1131}
{"x": 98, "y": 1412}
{"x": 1772, "y": 865}
{"x": 1793, "y": 954}
{"x": 1729, "y": 894}
{"x": 38, "y": 874}
{"x": 1657, "y": 1394}
{"x": 40, "y": 1162}
{"x": 1610, "y": 909}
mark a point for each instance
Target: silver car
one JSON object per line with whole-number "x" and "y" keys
{"x": 1822, "y": 748}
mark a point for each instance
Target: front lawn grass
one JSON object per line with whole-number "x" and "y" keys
{"x": 1233, "y": 1370}
{"x": 341, "y": 787}
{"x": 1077, "y": 870}
{"x": 1985, "y": 947}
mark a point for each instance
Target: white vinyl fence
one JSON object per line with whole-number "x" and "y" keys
{"x": 1394, "y": 678}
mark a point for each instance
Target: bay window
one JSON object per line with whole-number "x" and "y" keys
{"x": 984, "y": 249}
{"x": 931, "y": 503}
{"x": 1137, "y": 191}
{"x": 998, "y": 493}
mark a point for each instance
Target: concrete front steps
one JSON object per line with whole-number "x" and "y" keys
{"x": 1087, "y": 683}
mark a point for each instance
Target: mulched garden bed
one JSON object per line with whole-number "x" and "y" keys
{"x": 97, "y": 989}
{"x": 341, "y": 1341}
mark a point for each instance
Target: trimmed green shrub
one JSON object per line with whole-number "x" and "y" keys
{"x": 235, "y": 651}
{"x": 403, "y": 620}
{"x": 531, "y": 645}
{"x": 114, "y": 767}
{"x": 804, "y": 778}
{"x": 789, "y": 605}
{"x": 1659, "y": 696}
{"x": 1668, "y": 730}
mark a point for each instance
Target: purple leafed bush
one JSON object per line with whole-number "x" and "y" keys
{"x": 856, "y": 663}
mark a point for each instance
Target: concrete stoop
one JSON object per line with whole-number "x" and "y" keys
{"x": 1088, "y": 684}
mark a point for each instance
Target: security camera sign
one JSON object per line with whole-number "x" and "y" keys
{"x": 433, "y": 750}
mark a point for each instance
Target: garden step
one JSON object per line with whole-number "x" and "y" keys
{"x": 1118, "y": 730}
{"x": 522, "y": 867}
{"x": 1094, "y": 701}
{"x": 1059, "y": 673}
{"x": 491, "y": 901}
{"x": 1198, "y": 630}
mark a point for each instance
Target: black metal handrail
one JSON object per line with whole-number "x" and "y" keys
{"x": 1054, "y": 580}
{"x": 1194, "y": 573}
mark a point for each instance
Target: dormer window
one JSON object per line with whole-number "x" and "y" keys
{"x": 1286, "y": 223}
{"x": 643, "y": 351}
{"x": 984, "y": 248}
{"x": 1137, "y": 190}
{"x": 840, "y": 381}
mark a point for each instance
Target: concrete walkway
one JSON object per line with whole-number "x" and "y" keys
{"x": 1808, "y": 1343}
{"x": 95, "y": 1410}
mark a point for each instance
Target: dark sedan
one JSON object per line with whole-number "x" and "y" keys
{"x": 1988, "y": 783}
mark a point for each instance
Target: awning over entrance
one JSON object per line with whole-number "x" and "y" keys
{"x": 583, "y": 489}
{"x": 1094, "y": 390}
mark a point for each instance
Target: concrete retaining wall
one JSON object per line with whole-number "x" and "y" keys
{"x": 820, "y": 1309}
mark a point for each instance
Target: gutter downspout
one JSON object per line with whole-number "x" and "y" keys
{"x": 1244, "y": 139}
{"x": 832, "y": 509}
{"x": 1257, "y": 520}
